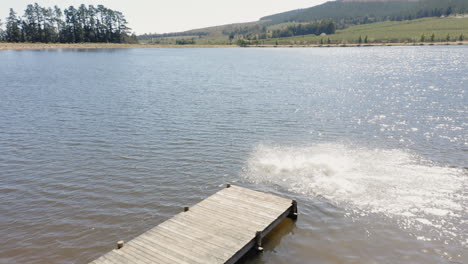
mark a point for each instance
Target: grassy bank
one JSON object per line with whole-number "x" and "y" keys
{"x": 340, "y": 45}
{"x": 409, "y": 31}
{"x": 43, "y": 46}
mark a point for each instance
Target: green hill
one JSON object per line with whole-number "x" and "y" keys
{"x": 330, "y": 17}
{"x": 409, "y": 31}
{"x": 360, "y": 12}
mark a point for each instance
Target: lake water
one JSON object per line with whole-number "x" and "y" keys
{"x": 100, "y": 145}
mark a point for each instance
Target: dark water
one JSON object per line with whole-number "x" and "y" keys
{"x": 101, "y": 145}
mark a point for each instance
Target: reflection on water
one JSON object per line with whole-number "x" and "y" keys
{"x": 271, "y": 241}
{"x": 101, "y": 145}
{"x": 420, "y": 195}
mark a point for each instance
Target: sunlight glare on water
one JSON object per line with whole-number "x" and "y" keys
{"x": 389, "y": 182}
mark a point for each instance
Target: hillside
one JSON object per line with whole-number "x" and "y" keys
{"x": 326, "y": 18}
{"x": 363, "y": 12}
{"x": 409, "y": 31}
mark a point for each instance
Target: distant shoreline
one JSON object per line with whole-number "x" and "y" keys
{"x": 396, "y": 44}
{"x": 51, "y": 46}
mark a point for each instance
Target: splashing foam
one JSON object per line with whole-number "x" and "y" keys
{"x": 392, "y": 182}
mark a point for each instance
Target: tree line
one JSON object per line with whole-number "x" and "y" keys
{"x": 150, "y": 36}
{"x": 258, "y": 32}
{"x": 448, "y": 37}
{"x": 316, "y": 28}
{"x": 70, "y": 25}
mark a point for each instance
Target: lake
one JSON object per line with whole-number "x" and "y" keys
{"x": 101, "y": 145}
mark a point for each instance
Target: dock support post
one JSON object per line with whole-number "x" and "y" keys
{"x": 228, "y": 185}
{"x": 293, "y": 213}
{"x": 120, "y": 244}
{"x": 258, "y": 241}
{"x": 186, "y": 208}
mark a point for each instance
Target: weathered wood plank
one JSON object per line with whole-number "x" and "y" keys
{"x": 211, "y": 235}
{"x": 196, "y": 253}
{"x": 240, "y": 211}
{"x": 227, "y": 215}
{"x": 133, "y": 255}
{"x": 260, "y": 196}
{"x": 152, "y": 247}
{"x": 219, "y": 229}
{"x": 271, "y": 208}
{"x": 232, "y": 213}
{"x": 103, "y": 260}
{"x": 222, "y": 201}
{"x": 251, "y": 208}
{"x": 234, "y": 231}
{"x": 152, "y": 252}
{"x": 171, "y": 250}
{"x": 197, "y": 246}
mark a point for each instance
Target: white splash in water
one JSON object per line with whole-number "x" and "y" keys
{"x": 392, "y": 182}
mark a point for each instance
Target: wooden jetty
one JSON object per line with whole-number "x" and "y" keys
{"x": 219, "y": 229}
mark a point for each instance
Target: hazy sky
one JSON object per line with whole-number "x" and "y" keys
{"x": 175, "y": 15}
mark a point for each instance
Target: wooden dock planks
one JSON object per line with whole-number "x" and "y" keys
{"x": 219, "y": 229}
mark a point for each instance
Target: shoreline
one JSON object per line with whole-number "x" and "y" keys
{"x": 56, "y": 46}
{"x": 396, "y": 44}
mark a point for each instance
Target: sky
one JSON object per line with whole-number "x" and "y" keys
{"x": 162, "y": 16}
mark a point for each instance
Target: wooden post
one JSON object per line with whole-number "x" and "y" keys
{"x": 186, "y": 208}
{"x": 293, "y": 213}
{"x": 120, "y": 244}
{"x": 258, "y": 241}
{"x": 228, "y": 185}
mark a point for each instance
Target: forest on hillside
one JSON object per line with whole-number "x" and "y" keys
{"x": 259, "y": 32}
{"x": 70, "y": 25}
{"x": 355, "y": 13}
{"x": 333, "y": 15}
{"x": 317, "y": 20}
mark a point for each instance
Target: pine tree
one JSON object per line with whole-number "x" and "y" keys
{"x": 85, "y": 24}
{"x": 12, "y": 27}
{"x": 59, "y": 24}
{"x": 2, "y": 37}
{"x": 360, "y": 40}
{"x": 30, "y": 24}
{"x": 366, "y": 40}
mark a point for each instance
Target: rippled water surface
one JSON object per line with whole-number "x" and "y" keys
{"x": 101, "y": 145}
